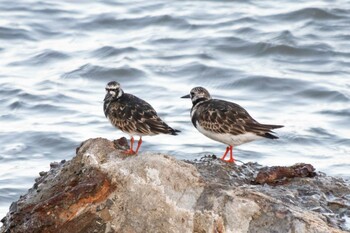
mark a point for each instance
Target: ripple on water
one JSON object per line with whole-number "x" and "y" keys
{"x": 45, "y": 31}
{"x": 8, "y": 194}
{"x": 49, "y": 144}
{"x": 266, "y": 83}
{"x": 196, "y": 72}
{"x": 100, "y": 73}
{"x": 321, "y": 93}
{"x": 43, "y": 58}
{"x": 7, "y": 33}
{"x": 111, "y": 21}
{"x": 307, "y": 14}
{"x": 297, "y": 139}
{"x": 338, "y": 113}
{"x": 266, "y": 48}
{"x": 110, "y": 51}
{"x": 40, "y": 109}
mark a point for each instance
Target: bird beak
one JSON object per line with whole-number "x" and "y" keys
{"x": 108, "y": 96}
{"x": 186, "y": 96}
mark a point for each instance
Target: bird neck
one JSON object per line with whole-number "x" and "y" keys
{"x": 106, "y": 107}
{"x": 199, "y": 100}
{"x": 120, "y": 93}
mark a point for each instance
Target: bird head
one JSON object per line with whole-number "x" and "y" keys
{"x": 113, "y": 90}
{"x": 198, "y": 94}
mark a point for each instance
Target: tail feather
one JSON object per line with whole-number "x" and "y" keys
{"x": 266, "y": 130}
{"x": 270, "y": 136}
{"x": 174, "y": 131}
{"x": 272, "y": 126}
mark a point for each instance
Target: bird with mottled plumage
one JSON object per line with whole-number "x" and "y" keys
{"x": 225, "y": 121}
{"x": 132, "y": 115}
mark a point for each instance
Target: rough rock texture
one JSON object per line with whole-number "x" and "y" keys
{"x": 101, "y": 190}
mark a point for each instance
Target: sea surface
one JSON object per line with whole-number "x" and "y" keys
{"x": 286, "y": 62}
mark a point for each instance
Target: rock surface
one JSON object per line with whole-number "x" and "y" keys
{"x": 101, "y": 190}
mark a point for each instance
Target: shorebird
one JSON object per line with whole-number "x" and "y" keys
{"x": 225, "y": 121}
{"x": 132, "y": 115}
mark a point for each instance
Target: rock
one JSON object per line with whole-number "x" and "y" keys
{"x": 280, "y": 174}
{"x": 102, "y": 190}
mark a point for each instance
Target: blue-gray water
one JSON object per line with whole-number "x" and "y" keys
{"x": 285, "y": 62}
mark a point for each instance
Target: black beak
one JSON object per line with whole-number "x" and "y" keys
{"x": 108, "y": 96}
{"x": 186, "y": 96}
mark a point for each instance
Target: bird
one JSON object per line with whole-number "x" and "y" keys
{"x": 132, "y": 115}
{"x": 225, "y": 122}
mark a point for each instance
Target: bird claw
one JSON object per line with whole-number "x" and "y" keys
{"x": 229, "y": 161}
{"x": 129, "y": 152}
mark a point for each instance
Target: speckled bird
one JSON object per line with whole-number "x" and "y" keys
{"x": 132, "y": 115}
{"x": 225, "y": 121}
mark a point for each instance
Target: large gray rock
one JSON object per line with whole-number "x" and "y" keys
{"x": 100, "y": 190}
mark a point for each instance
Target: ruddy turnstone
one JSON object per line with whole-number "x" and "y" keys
{"x": 132, "y": 115}
{"x": 225, "y": 121}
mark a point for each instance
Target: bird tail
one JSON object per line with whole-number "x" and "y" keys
{"x": 270, "y": 136}
{"x": 272, "y": 126}
{"x": 266, "y": 130}
{"x": 174, "y": 131}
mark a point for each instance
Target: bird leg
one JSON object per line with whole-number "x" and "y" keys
{"x": 130, "y": 151}
{"x": 231, "y": 160}
{"x": 139, "y": 144}
{"x": 224, "y": 156}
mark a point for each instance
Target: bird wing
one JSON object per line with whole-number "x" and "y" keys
{"x": 134, "y": 115}
{"x": 221, "y": 116}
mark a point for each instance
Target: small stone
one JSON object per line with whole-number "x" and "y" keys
{"x": 109, "y": 203}
{"x": 42, "y": 173}
{"x": 105, "y": 215}
{"x": 54, "y": 165}
{"x": 13, "y": 207}
{"x": 121, "y": 143}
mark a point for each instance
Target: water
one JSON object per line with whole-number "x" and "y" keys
{"x": 286, "y": 63}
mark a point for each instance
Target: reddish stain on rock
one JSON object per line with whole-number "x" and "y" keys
{"x": 65, "y": 201}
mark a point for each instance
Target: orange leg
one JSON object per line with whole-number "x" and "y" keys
{"x": 224, "y": 156}
{"x": 231, "y": 160}
{"x": 130, "y": 151}
{"x": 139, "y": 144}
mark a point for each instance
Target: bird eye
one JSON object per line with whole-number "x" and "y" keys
{"x": 192, "y": 93}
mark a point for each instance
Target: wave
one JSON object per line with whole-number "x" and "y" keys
{"x": 43, "y": 58}
{"x": 101, "y": 73}
{"x": 110, "y": 51}
{"x": 320, "y": 93}
{"x": 7, "y": 33}
{"x": 266, "y": 83}
{"x": 311, "y": 13}
{"x": 43, "y": 142}
{"x": 110, "y": 21}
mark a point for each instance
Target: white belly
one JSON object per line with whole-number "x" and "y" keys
{"x": 229, "y": 139}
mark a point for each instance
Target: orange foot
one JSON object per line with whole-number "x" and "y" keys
{"x": 129, "y": 152}
{"x": 232, "y": 160}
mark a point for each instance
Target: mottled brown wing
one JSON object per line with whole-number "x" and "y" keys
{"x": 134, "y": 115}
{"x": 220, "y": 116}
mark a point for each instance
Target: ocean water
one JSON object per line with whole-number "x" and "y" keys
{"x": 285, "y": 62}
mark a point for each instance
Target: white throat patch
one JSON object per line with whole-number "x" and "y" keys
{"x": 120, "y": 93}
